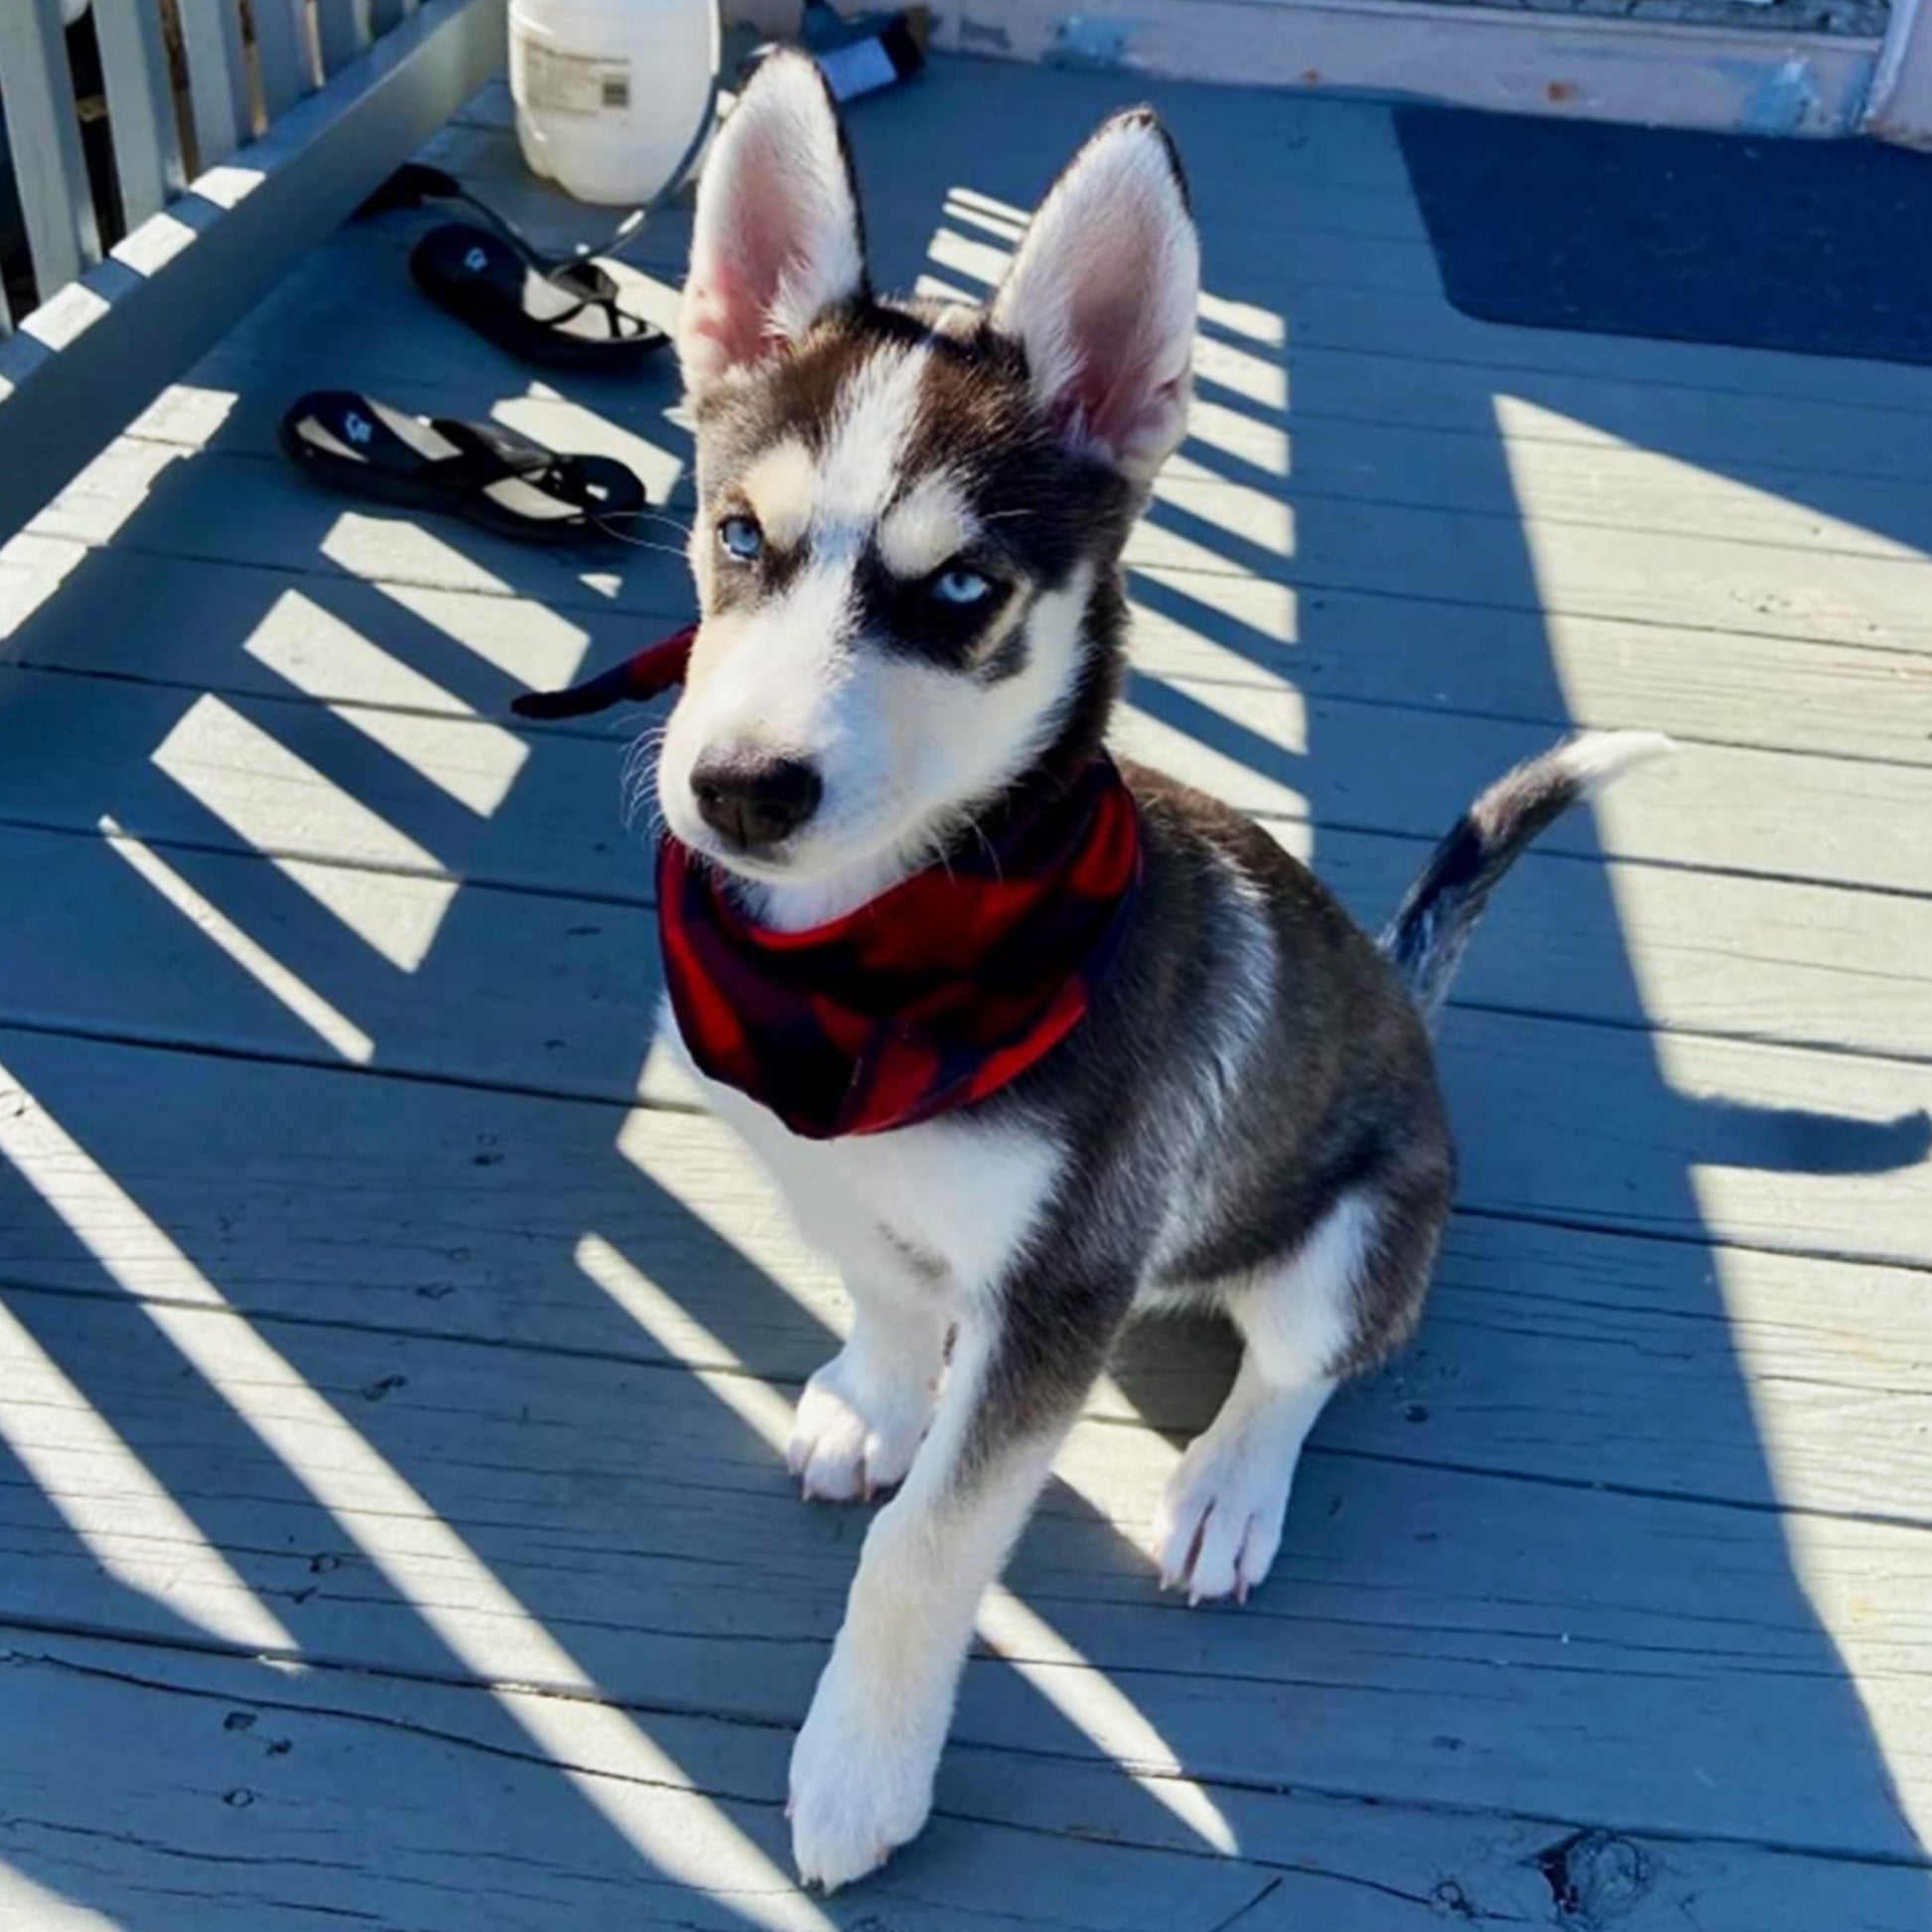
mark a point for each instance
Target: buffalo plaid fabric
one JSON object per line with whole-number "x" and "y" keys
{"x": 654, "y": 669}
{"x": 934, "y": 995}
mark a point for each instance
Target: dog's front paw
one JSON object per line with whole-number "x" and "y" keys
{"x": 860, "y": 1787}
{"x": 857, "y": 1430}
{"x": 1219, "y": 1524}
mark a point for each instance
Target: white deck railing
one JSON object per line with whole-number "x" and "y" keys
{"x": 234, "y": 150}
{"x": 233, "y": 83}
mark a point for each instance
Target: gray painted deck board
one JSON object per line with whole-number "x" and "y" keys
{"x": 663, "y": 1544}
{"x": 1335, "y": 1863}
{"x": 391, "y": 1363}
{"x": 1544, "y": 1334}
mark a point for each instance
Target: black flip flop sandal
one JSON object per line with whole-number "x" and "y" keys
{"x": 490, "y": 474}
{"x": 562, "y": 314}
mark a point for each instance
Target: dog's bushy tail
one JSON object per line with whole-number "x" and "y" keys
{"x": 1430, "y": 932}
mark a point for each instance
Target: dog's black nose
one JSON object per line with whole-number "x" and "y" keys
{"x": 753, "y": 802}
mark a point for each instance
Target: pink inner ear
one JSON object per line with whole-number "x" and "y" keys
{"x": 731, "y": 292}
{"x": 722, "y": 314}
{"x": 1119, "y": 392}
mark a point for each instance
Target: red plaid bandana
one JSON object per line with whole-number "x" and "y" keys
{"x": 937, "y": 994}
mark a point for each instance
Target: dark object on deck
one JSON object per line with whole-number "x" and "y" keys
{"x": 560, "y": 314}
{"x": 486, "y": 473}
{"x": 1803, "y": 245}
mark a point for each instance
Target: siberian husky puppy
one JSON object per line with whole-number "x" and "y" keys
{"x": 908, "y": 551}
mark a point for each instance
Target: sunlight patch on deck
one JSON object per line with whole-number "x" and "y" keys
{"x": 538, "y": 648}
{"x": 473, "y": 1615}
{"x": 975, "y": 261}
{"x": 96, "y": 1482}
{"x": 372, "y": 547}
{"x": 1254, "y": 606}
{"x": 1253, "y": 443}
{"x": 23, "y": 1903}
{"x": 31, "y": 569}
{"x": 185, "y": 412}
{"x": 287, "y": 642}
{"x": 1182, "y": 754}
{"x": 277, "y": 803}
{"x": 755, "y": 1401}
{"x": 334, "y": 1028}
{"x": 1250, "y": 516}
{"x": 1238, "y": 373}
{"x": 1095, "y": 1705}
{"x": 1084, "y": 1696}
{"x": 1529, "y": 431}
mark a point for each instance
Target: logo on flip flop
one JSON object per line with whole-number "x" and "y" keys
{"x": 357, "y": 428}
{"x": 475, "y": 261}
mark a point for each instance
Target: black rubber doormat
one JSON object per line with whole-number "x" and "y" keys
{"x": 1824, "y": 247}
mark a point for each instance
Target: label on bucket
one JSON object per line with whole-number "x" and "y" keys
{"x": 556, "y": 83}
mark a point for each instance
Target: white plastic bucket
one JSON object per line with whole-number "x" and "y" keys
{"x": 609, "y": 93}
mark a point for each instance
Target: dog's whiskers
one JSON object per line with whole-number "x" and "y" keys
{"x": 637, "y": 782}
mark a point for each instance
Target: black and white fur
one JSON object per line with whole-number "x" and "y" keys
{"x": 908, "y": 550}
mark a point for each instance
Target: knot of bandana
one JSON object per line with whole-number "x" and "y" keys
{"x": 937, "y": 994}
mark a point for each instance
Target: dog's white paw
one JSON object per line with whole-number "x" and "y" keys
{"x": 857, "y": 1430}
{"x": 1219, "y": 1523}
{"x": 860, "y": 1788}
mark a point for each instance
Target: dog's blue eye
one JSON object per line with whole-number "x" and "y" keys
{"x": 961, "y": 586}
{"x": 742, "y": 538}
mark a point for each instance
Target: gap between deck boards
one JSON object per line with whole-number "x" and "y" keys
{"x": 1337, "y": 1862}
{"x": 1426, "y": 558}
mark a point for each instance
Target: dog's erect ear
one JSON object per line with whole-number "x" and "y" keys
{"x": 1102, "y": 296}
{"x": 778, "y": 239}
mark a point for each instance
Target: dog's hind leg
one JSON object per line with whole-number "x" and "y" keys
{"x": 1305, "y": 1323}
{"x": 862, "y": 1768}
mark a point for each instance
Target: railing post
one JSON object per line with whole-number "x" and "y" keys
{"x": 1901, "y": 105}
{"x": 281, "y": 49}
{"x": 345, "y": 30}
{"x": 44, "y": 134}
{"x": 217, "y": 78}
{"x": 140, "y": 106}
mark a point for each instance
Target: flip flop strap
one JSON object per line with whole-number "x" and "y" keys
{"x": 602, "y": 293}
{"x": 487, "y": 455}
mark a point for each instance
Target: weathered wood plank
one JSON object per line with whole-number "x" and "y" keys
{"x": 1640, "y": 574}
{"x": 1708, "y": 71}
{"x": 426, "y": 1507}
{"x": 1006, "y": 132}
{"x": 1820, "y": 452}
{"x": 1772, "y": 693}
{"x": 1733, "y": 957}
{"x": 324, "y": 1757}
{"x": 1725, "y": 688}
{"x": 410, "y": 1804}
{"x": 289, "y": 776}
{"x": 1374, "y": 767}
{"x": 1527, "y": 464}
{"x": 243, "y": 509}
{"x": 1690, "y": 1139}
{"x": 1549, "y": 1352}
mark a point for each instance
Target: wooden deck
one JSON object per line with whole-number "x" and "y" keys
{"x": 392, "y": 1527}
